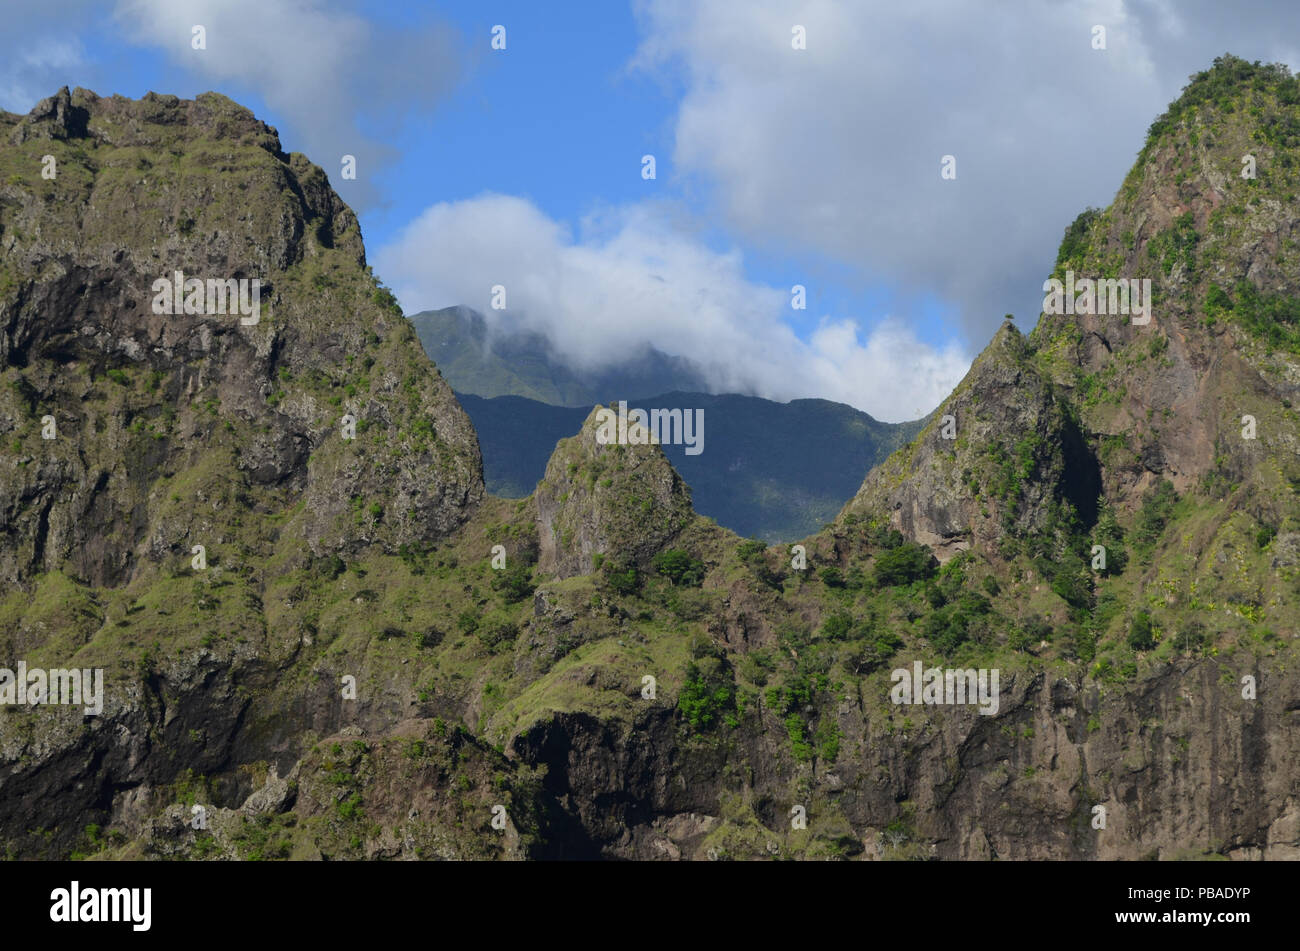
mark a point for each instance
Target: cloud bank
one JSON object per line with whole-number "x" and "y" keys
{"x": 630, "y": 277}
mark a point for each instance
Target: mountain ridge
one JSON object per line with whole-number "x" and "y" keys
{"x": 486, "y": 361}
{"x": 754, "y": 475}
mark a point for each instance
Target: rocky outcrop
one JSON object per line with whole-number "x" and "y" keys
{"x": 1207, "y": 216}
{"x": 618, "y": 500}
{"x": 1184, "y": 768}
{"x": 993, "y": 459}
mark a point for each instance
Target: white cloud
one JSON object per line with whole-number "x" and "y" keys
{"x": 324, "y": 69}
{"x": 630, "y": 277}
{"x": 837, "y": 148}
{"x": 340, "y": 82}
{"x": 38, "y": 51}
{"x": 34, "y": 71}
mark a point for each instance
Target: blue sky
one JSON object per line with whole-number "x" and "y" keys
{"x": 556, "y": 117}
{"x": 775, "y": 166}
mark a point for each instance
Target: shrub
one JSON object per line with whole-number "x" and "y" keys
{"x": 708, "y": 693}
{"x": 1191, "y": 637}
{"x": 622, "y": 580}
{"x": 1072, "y": 583}
{"x": 329, "y": 568}
{"x": 802, "y": 749}
{"x": 1083, "y": 643}
{"x": 949, "y": 627}
{"x": 1157, "y": 508}
{"x": 902, "y": 565}
{"x": 514, "y": 583}
{"x": 1037, "y": 628}
{"x": 385, "y": 299}
{"x": 1141, "y": 634}
{"x": 496, "y": 633}
{"x": 873, "y": 651}
{"x": 1020, "y": 640}
{"x": 1110, "y": 536}
{"x": 756, "y": 665}
{"x": 887, "y": 538}
{"x": 828, "y": 740}
{"x": 689, "y": 604}
{"x": 791, "y": 635}
{"x": 1217, "y": 300}
{"x": 831, "y": 577}
{"x": 679, "y": 567}
{"x": 934, "y": 594}
{"x": 1074, "y": 244}
{"x": 837, "y": 626}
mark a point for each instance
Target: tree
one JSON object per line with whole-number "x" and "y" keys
{"x": 837, "y": 626}
{"x": 902, "y": 565}
{"x": 679, "y": 567}
{"x": 1110, "y": 536}
{"x": 708, "y": 692}
{"x": 1141, "y": 635}
{"x": 1157, "y": 509}
{"x": 514, "y": 583}
{"x": 831, "y": 577}
{"x": 622, "y": 580}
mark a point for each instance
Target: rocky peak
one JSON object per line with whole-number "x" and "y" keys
{"x": 1099, "y": 401}
{"x": 136, "y": 431}
{"x": 623, "y": 501}
{"x": 57, "y": 117}
{"x": 1207, "y": 216}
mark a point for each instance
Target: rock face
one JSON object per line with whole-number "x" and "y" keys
{"x": 620, "y": 500}
{"x": 1022, "y": 785}
{"x": 145, "y": 452}
{"x": 168, "y": 426}
{"x": 999, "y": 452}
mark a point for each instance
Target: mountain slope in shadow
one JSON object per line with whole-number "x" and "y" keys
{"x": 776, "y": 471}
